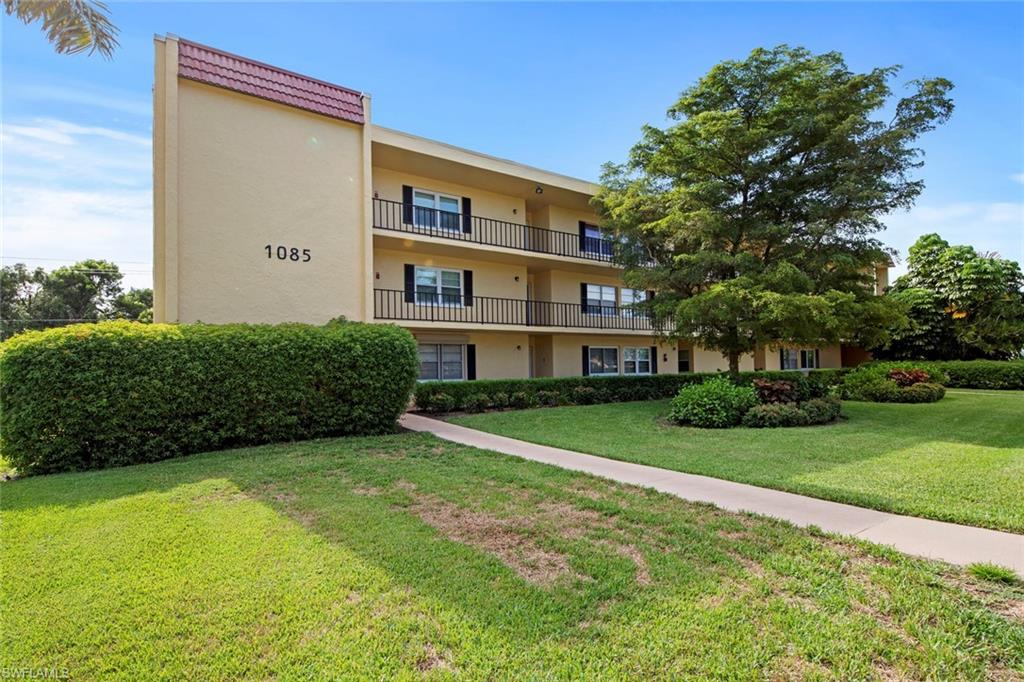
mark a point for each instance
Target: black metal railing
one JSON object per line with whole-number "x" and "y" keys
{"x": 396, "y": 304}
{"x": 399, "y": 217}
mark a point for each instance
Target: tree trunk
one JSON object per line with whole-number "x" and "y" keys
{"x": 734, "y": 363}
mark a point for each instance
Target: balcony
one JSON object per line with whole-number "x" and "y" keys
{"x": 460, "y": 309}
{"x": 398, "y": 217}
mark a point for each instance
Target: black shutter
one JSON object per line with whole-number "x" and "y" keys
{"x": 586, "y": 361}
{"x": 467, "y": 287}
{"x": 782, "y": 358}
{"x": 654, "y": 359}
{"x": 471, "y": 361}
{"x": 407, "y": 204}
{"x": 410, "y": 283}
{"x": 583, "y": 296}
{"x": 467, "y": 215}
{"x": 817, "y": 359}
{"x": 583, "y": 236}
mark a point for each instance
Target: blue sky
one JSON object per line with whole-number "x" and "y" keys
{"x": 561, "y": 86}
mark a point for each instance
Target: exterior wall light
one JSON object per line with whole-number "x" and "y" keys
{"x": 539, "y": 190}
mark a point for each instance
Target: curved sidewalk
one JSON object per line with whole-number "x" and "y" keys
{"x": 923, "y": 537}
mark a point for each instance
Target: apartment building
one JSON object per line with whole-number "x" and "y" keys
{"x": 277, "y": 200}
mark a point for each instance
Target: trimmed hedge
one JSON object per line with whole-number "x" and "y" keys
{"x": 97, "y": 395}
{"x": 990, "y": 374}
{"x": 776, "y": 415}
{"x": 447, "y": 396}
{"x": 717, "y": 403}
{"x": 891, "y": 383}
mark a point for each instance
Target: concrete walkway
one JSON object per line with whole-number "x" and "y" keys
{"x": 923, "y": 537}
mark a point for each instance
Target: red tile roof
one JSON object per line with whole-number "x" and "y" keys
{"x": 222, "y": 69}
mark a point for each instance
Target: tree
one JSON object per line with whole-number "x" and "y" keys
{"x": 961, "y": 304}
{"x": 752, "y": 217}
{"x": 86, "y": 291}
{"x": 72, "y": 26}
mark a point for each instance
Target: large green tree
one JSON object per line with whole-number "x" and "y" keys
{"x": 960, "y": 304}
{"x": 89, "y": 290}
{"x": 753, "y": 216}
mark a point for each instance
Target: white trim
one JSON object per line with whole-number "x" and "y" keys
{"x": 440, "y": 360}
{"x": 438, "y": 210}
{"x": 637, "y": 361}
{"x": 439, "y": 289}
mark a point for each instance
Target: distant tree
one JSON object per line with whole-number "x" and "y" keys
{"x": 135, "y": 304}
{"x": 754, "y": 213}
{"x": 71, "y": 26}
{"x": 89, "y": 290}
{"x": 960, "y": 304}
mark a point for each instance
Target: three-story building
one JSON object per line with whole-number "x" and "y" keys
{"x": 277, "y": 200}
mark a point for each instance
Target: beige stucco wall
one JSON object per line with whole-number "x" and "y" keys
{"x": 567, "y": 355}
{"x": 489, "y": 279}
{"x": 387, "y": 184}
{"x": 252, "y": 173}
{"x": 568, "y": 220}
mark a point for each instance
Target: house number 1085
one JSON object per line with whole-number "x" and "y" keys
{"x": 288, "y": 253}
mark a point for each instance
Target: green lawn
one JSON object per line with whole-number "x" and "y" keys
{"x": 403, "y": 556}
{"x": 961, "y": 459}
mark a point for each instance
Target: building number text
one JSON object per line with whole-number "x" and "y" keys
{"x": 288, "y": 253}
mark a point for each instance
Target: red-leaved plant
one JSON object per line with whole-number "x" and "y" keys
{"x": 908, "y": 377}
{"x": 777, "y": 391}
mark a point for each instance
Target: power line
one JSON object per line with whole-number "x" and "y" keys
{"x": 73, "y": 260}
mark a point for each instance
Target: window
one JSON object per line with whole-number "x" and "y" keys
{"x": 631, "y": 297}
{"x": 432, "y": 209}
{"x": 436, "y": 286}
{"x": 600, "y": 300}
{"x": 684, "y": 361}
{"x": 595, "y": 242}
{"x": 636, "y": 360}
{"x": 791, "y": 358}
{"x": 442, "y": 361}
{"x": 604, "y": 360}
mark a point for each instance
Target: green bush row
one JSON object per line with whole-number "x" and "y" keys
{"x": 115, "y": 393}
{"x": 448, "y": 396}
{"x": 880, "y": 382}
{"x": 990, "y": 374}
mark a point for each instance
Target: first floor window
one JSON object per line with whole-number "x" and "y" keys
{"x": 434, "y": 285}
{"x": 442, "y": 361}
{"x": 604, "y": 361}
{"x": 433, "y": 209}
{"x": 684, "y": 360}
{"x": 791, "y": 358}
{"x": 600, "y": 299}
{"x": 636, "y": 360}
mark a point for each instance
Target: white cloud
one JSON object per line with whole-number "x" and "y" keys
{"x": 993, "y": 226}
{"x": 87, "y": 95}
{"x": 1018, "y": 177}
{"x": 73, "y": 192}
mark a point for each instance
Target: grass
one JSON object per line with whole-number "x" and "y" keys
{"x": 960, "y": 459}
{"x": 404, "y": 556}
{"x": 993, "y": 572}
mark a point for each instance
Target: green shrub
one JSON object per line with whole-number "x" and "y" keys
{"x": 521, "y": 400}
{"x": 773, "y": 415}
{"x": 477, "y": 402}
{"x": 96, "y": 395}
{"x": 436, "y": 402}
{"x": 547, "y": 398}
{"x": 815, "y": 384}
{"x": 821, "y": 410}
{"x": 986, "y": 374}
{"x": 922, "y": 393}
{"x": 716, "y": 403}
{"x": 880, "y": 383}
{"x": 499, "y": 400}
